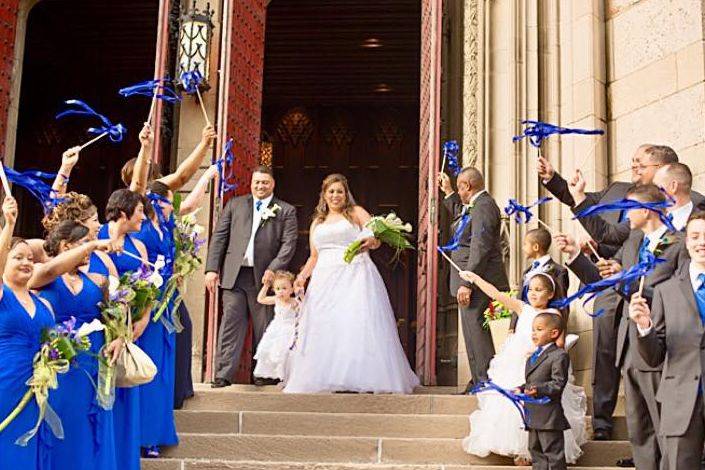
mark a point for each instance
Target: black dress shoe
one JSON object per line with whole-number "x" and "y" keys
{"x": 468, "y": 388}
{"x": 626, "y": 463}
{"x": 220, "y": 383}
{"x": 601, "y": 435}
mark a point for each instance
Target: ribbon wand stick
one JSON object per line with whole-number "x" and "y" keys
{"x": 93, "y": 140}
{"x": 5, "y": 183}
{"x": 203, "y": 108}
{"x": 449, "y": 260}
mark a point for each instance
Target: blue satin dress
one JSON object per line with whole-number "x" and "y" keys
{"x": 157, "y": 397}
{"x": 126, "y": 409}
{"x": 20, "y": 337}
{"x": 89, "y": 440}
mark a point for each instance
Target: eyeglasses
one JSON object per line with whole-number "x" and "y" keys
{"x": 643, "y": 167}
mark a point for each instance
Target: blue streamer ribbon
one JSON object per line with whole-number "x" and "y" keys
{"x": 454, "y": 242}
{"x": 167, "y": 227}
{"x": 222, "y": 164}
{"x": 518, "y": 210}
{"x": 161, "y": 89}
{"x": 537, "y": 131}
{"x": 625, "y": 278}
{"x": 116, "y": 132}
{"x": 450, "y": 152}
{"x": 517, "y": 399}
{"x": 629, "y": 204}
{"x": 191, "y": 81}
{"x": 33, "y": 181}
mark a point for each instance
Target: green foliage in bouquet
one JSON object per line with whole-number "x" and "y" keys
{"x": 59, "y": 346}
{"x": 389, "y": 229}
{"x": 188, "y": 244}
{"x": 496, "y": 311}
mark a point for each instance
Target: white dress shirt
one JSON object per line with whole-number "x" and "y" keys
{"x": 680, "y": 215}
{"x": 249, "y": 259}
{"x": 655, "y": 237}
{"x": 694, "y": 272}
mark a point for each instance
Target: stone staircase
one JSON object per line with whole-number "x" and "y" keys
{"x": 242, "y": 427}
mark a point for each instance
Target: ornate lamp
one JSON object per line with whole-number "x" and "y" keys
{"x": 195, "y": 36}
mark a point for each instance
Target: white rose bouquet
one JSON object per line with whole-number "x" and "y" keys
{"x": 388, "y": 229}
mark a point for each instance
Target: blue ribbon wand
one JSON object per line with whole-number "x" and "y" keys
{"x": 116, "y": 132}
{"x": 158, "y": 89}
{"x": 517, "y": 399}
{"x": 191, "y": 81}
{"x": 537, "y": 131}
{"x": 450, "y": 155}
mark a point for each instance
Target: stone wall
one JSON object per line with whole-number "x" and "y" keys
{"x": 634, "y": 68}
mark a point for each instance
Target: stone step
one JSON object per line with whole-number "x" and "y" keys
{"x": 335, "y": 424}
{"x": 361, "y": 450}
{"x": 190, "y": 464}
{"x": 232, "y": 399}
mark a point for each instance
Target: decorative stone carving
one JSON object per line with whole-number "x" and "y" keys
{"x": 471, "y": 88}
{"x": 295, "y": 127}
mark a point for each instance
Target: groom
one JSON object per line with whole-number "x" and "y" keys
{"x": 255, "y": 236}
{"x": 479, "y": 251}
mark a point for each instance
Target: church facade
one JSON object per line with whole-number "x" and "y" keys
{"x": 372, "y": 90}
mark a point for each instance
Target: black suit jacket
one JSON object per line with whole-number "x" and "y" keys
{"x": 275, "y": 240}
{"x": 479, "y": 250}
{"x": 628, "y": 255}
{"x": 616, "y": 191}
{"x": 616, "y": 234}
{"x": 549, "y": 374}
{"x": 560, "y": 276}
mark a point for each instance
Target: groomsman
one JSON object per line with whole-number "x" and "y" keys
{"x": 672, "y": 330}
{"x": 646, "y": 160}
{"x": 640, "y": 378}
{"x": 479, "y": 251}
{"x": 674, "y": 178}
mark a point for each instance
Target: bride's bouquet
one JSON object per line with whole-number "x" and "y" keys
{"x": 389, "y": 229}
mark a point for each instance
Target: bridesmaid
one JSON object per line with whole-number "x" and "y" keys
{"x": 23, "y": 316}
{"x": 89, "y": 440}
{"x": 159, "y": 339}
{"x": 124, "y": 214}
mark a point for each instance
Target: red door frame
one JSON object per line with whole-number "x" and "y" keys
{"x": 429, "y": 146}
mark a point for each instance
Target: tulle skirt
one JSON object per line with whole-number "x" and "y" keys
{"x": 496, "y": 426}
{"x": 348, "y": 339}
{"x": 273, "y": 350}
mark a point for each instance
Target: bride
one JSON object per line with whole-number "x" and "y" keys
{"x": 349, "y": 339}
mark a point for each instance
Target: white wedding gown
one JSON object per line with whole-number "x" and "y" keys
{"x": 348, "y": 332}
{"x": 496, "y": 427}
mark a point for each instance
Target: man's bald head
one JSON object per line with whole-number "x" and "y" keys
{"x": 470, "y": 181}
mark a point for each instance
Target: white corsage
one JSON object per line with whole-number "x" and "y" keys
{"x": 270, "y": 212}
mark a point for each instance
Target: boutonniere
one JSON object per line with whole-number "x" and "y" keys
{"x": 270, "y": 212}
{"x": 664, "y": 243}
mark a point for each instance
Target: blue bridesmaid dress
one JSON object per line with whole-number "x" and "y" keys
{"x": 89, "y": 440}
{"x": 20, "y": 337}
{"x": 126, "y": 410}
{"x": 157, "y": 397}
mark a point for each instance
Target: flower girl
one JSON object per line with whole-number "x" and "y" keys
{"x": 278, "y": 340}
{"x": 496, "y": 426}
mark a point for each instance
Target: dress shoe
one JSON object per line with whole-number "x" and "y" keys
{"x": 626, "y": 463}
{"x": 601, "y": 435}
{"x": 220, "y": 383}
{"x": 261, "y": 381}
{"x": 468, "y": 388}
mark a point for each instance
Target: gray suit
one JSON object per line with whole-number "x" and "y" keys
{"x": 274, "y": 246}
{"x": 546, "y": 423}
{"x": 480, "y": 252}
{"x": 678, "y": 338}
{"x": 605, "y": 376}
{"x": 640, "y": 378}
